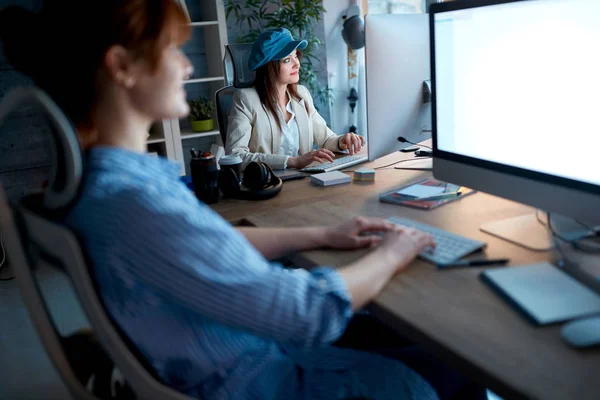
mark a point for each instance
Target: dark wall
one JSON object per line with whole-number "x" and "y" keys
{"x": 25, "y": 152}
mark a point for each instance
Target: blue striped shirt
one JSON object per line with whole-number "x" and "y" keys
{"x": 213, "y": 317}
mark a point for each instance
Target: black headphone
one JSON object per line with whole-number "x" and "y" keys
{"x": 258, "y": 182}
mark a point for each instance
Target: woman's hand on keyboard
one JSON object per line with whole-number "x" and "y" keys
{"x": 359, "y": 232}
{"x": 351, "y": 142}
{"x": 368, "y": 275}
{"x": 403, "y": 244}
{"x": 320, "y": 155}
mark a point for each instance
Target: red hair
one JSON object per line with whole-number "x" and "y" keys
{"x": 63, "y": 54}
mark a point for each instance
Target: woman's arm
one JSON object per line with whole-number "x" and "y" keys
{"x": 239, "y": 132}
{"x": 365, "y": 277}
{"x": 353, "y": 234}
{"x": 276, "y": 242}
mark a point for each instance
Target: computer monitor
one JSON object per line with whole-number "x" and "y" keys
{"x": 396, "y": 67}
{"x": 515, "y": 109}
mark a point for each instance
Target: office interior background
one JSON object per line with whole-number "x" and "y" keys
{"x": 24, "y": 141}
{"x": 25, "y": 163}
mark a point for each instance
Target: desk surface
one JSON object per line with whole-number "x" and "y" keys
{"x": 450, "y": 312}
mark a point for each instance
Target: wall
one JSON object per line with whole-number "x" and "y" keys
{"x": 395, "y": 6}
{"x": 337, "y": 55}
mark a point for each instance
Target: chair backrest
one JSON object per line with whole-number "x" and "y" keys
{"x": 67, "y": 162}
{"x": 237, "y": 76}
{"x": 32, "y": 238}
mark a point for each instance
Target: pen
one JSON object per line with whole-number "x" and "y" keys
{"x": 440, "y": 196}
{"x": 474, "y": 263}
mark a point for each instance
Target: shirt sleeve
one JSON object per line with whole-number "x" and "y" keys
{"x": 192, "y": 257}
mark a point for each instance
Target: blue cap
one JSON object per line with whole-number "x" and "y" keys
{"x": 271, "y": 45}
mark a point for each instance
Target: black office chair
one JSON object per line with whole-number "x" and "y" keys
{"x": 237, "y": 76}
{"x": 32, "y": 238}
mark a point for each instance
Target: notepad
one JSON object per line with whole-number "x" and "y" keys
{"x": 421, "y": 191}
{"x": 330, "y": 178}
{"x": 543, "y": 293}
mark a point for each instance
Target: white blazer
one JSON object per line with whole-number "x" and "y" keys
{"x": 253, "y": 133}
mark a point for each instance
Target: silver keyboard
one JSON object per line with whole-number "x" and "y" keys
{"x": 449, "y": 246}
{"x": 339, "y": 163}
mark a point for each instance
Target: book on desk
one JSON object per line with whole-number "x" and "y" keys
{"x": 426, "y": 194}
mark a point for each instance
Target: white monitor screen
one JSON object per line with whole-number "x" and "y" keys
{"x": 519, "y": 84}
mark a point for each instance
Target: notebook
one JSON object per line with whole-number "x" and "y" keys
{"x": 415, "y": 195}
{"x": 543, "y": 293}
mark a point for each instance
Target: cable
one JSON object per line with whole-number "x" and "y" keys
{"x": 577, "y": 244}
{"x": 401, "y": 161}
{"x": 3, "y": 261}
{"x": 402, "y": 139}
{"x": 537, "y": 216}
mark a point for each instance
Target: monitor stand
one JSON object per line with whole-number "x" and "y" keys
{"x": 529, "y": 232}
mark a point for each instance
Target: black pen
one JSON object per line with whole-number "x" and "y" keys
{"x": 474, "y": 263}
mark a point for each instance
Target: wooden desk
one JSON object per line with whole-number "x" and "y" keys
{"x": 452, "y": 313}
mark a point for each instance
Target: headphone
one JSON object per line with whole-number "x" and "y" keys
{"x": 258, "y": 182}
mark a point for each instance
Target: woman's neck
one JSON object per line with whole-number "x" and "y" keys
{"x": 119, "y": 125}
{"x": 282, "y": 95}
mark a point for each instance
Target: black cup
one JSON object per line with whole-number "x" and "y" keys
{"x": 232, "y": 162}
{"x": 205, "y": 176}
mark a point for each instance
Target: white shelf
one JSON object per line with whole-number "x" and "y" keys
{"x": 205, "y": 23}
{"x": 211, "y": 26}
{"x": 152, "y": 139}
{"x": 191, "y": 135}
{"x": 203, "y": 80}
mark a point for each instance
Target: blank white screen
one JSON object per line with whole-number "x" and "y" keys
{"x": 519, "y": 84}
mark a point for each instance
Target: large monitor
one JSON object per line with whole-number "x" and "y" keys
{"x": 515, "y": 101}
{"x": 397, "y": 65}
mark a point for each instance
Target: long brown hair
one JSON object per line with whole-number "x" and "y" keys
{"x": 266, "y": 86}
{"x": 62, "y": 50}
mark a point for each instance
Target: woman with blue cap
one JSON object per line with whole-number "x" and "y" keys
{"x": 276, "y": 122}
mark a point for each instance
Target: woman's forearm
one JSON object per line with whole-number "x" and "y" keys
{"x": 277, "y": 242}
{"x": 367, "y": 276}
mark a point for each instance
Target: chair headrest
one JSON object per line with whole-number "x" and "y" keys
{"x": 235, "y": 65}
{"x": 67, "y": 162}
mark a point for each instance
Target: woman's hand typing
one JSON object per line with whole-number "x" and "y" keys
{"x": 351, "y": 142}
{"x": 320, "y": 155}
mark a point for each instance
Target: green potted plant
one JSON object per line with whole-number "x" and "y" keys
{"x": 201, "y": 114}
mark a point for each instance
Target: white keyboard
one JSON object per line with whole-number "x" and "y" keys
{"x": 449, "y": 246}
{"x": 339, "y": 163}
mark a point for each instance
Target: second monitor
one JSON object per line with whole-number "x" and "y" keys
{"x": 397, "y": 74}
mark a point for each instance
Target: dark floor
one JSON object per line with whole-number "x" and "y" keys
{"x": 25, "y": 369}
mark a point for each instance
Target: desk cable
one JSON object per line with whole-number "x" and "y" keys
{"x": 402, "y": 139}
{"x": 402, "y": 161}
{"x": 392, "y": 164}
{"x": 580, "y": 244}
